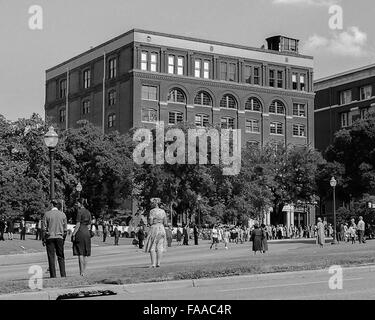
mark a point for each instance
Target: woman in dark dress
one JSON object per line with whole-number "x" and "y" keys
{"x": 81, "y": 237}
{"x": 264, "y": 238}
{"x": 256, "y": 238}
{"x": 10, "y": 228}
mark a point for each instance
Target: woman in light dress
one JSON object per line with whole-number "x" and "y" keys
{"x": 320, "y": 239}
{"x": 156, "y": 242}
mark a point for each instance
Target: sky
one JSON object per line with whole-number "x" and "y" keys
{"x": 70, "y": 27}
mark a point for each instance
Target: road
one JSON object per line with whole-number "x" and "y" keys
{"x": 358, "y": 283}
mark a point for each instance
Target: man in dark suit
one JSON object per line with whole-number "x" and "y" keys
{"x": 23, "y": 229}
{"x": 2, "y": 229}
{"x": 55, "y": 230}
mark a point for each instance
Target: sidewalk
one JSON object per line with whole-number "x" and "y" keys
{"x": 129, "y": 289}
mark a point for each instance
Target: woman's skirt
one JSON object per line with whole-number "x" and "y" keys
{"x": 82, "y": 242}
{"x": 156, "y": 239}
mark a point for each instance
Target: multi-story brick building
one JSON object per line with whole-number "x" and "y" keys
{"x": 340, "y": 100}
{"x": 150, "y": 76}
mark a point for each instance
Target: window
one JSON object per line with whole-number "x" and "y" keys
{"x": 299, "y": 130}
{"x": 252, "y": 125}
{"x": 256, "y": 76}
{"x": 365, "y": 92}
{"x": 294, "y": 81}
{"x": 247, "y": 74}
{"x": 253, "y": 104}
{"x": 62, "y": 115}
{"x": 344, "y": 119}
{"x": 232, "y": 72}
{"x": 223, "y": 71}
{"x": 302, "y": 84}
{"x": 111, "y": 97}
{"x": 299, "y": 110}
{"x": 206, "y": 69}
{"x": 363, "y": 113}
{"x": 180, "y": 66}
{"x": 149, "y": 93}
{"x": 112, "y": 68}
{"x": 345, "y": 97}
{"x": 149, "y": 115}
{"x": 197, "y": 68}
{"x": 276, "y": 128}
{"x": 293, "y": 45}
{"x": 203, "y": 99}
{"x": 153, "y": 64}
{"x": 144, "y": 60}
{"x": 277, "y": 107}
{"x": 171, "y": 64}
{"x": 86, "y": 107}
{"x": 176, "y": 96}
{"x": 279, "y": 79}
{"x": 87, "y": 78}
{"x": 111, "y": 120}
{"x": 228, "y": 101}
{"x": 63, "y": 88}
{"x": 201, "y": 120}
{"x": 175, "y": 117}
{"x": 227, "y": 123}
{"x": 272, "y": 78}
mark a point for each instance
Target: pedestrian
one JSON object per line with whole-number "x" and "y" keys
{"x": 214, "y": 237}
{"x": 320, "y": 239}
{"x": 55, "y": 230}
{"x": 141, "y": 236}
{"x": 23, "y": 229}
{"x": 352, "y": 233}
{"x": 196, "y": 233}
{"x": 179, "y": 235}
{"x": 116, "y": 233}
{"x": 156, "y": 239}
{"x": 105, "y": 230}
{"x": 2, "y": 229}
{"x": 264, "y": 238}
{"x": 81, "y": 236}
{"x": 256, "y": 238}
{"x": 186, "y": 232}
{"x": 10, "y": 228}
{"x": 168, "y": 233}
{"x": 361, "y": 230}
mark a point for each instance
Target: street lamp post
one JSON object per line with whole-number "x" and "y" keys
{"x": 79, "y": 189}
{"x": 199, "y": 210}
{"x": 51, "y": 139}
{"x": 333, "y": 184}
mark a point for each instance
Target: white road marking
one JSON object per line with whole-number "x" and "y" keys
{"x": 285, "y": 285}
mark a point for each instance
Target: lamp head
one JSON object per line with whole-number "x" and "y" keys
{"x": 333, "y": 182}
{"x": 51, "y": 138}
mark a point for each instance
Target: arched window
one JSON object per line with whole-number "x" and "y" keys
{"x": 86, "y": 107}
{"x": 253, "y": 104}
{"x": 277, "y": 107}
{"x": 228, "y": 101}
{"x": 203, "y": 99}
{"x": 176, "y": 95}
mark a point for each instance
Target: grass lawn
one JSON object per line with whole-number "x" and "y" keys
{"x": 306, "y": 257}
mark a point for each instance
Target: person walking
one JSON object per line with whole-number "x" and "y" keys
{"x": 156, "y": 239}
{"x": 10, "y": 228}
{"x": 38, "y": 229}
{"x": 81, "y": 236}
{"x": 361, "y": 230}
{"x": 196, "y": 233}
{"x": 55, "y": 230}
{"x": 168, "y": 233}
{"x": 256, "y": 238}
{"x": 214, "y": 237}
{"x": 105, "y": 230}
{"x": 2, "y": 229}
{"x": 141, "y": 236}
{"x": 186, "y": 235}
{"x": 179, "y": 235}
{"x": 264, "y": 238}
{"x": 320, "y": 239}
{"x": 226, "y": 236}
{"x": 116, "y": 233}
{"x": 23, "y": 229}
{"x": 352, "y": 233}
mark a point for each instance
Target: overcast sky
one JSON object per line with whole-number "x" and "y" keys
{"x": 72, "y": 26}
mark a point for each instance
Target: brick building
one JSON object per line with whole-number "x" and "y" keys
{"x": 340, "y": 100}
{"x": 142, "y": 76}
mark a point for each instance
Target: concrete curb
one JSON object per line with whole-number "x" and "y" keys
{"x": 53, "y": 294}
